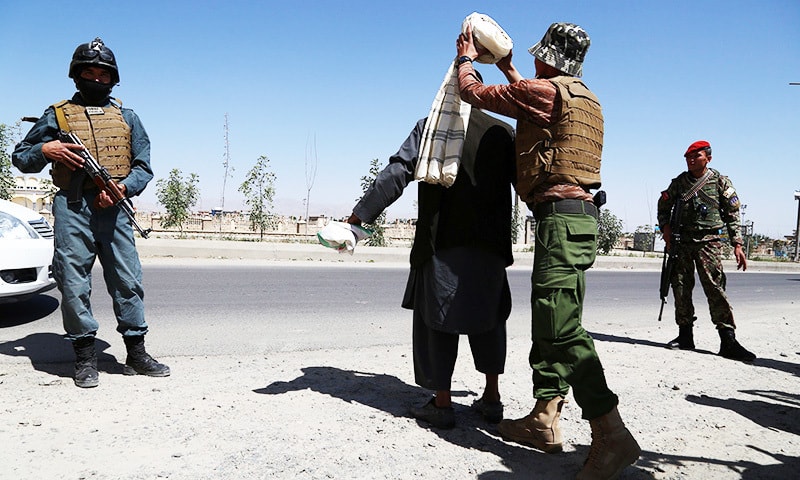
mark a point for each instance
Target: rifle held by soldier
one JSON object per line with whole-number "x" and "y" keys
{"x": 670, "y": 253}
{"x": 103, "y": 180}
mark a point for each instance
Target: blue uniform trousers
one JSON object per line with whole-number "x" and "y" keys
{"x": 84, "y": 233}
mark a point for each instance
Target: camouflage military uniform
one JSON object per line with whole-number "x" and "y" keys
{"x": 714, "y": 206}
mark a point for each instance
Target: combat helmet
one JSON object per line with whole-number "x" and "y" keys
{"x": 563, "y": 47}
{"x": 94, "y": 53}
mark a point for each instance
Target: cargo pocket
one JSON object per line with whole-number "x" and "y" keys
{"x": 553, "y": 299}
{"x": 582, "y": 242}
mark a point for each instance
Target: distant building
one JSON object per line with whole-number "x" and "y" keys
{"x": 33, "y": 192}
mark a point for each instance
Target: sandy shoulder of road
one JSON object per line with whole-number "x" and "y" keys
{"x": 342, "y": 413}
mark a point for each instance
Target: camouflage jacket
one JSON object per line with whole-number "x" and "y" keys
{"x": 714, "y": 206}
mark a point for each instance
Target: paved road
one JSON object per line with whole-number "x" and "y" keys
{"x": 242, "y": 334}
{"x": 240, "y": 309}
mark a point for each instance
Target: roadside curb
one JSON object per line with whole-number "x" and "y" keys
{"x": 154, "y": 248}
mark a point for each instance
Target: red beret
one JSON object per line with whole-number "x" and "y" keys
{"x": 698, "y": 145}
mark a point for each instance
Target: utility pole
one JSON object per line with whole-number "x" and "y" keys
{"x": 745, "y": 233}
{"x": 749, "y": 231}
{"x": 311, "y": 174}
{"x": 797, "y": 228}
{"x": 226, "y": 157}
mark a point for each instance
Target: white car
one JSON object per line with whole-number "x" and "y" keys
{"x": 26, "y": 253}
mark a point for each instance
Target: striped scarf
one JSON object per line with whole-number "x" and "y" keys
{"x": 446, "y": 125}
{"x": 443, "y": 134}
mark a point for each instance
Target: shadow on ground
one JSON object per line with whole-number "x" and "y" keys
{"x": 788, "y": 367}
{"x": 393, "y": 396}
{"x": 52, "y": 353}
{"x": 773, "y": 415}
{"x": 31, "y": 310}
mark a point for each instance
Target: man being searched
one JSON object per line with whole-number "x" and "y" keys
{"x": 89, "y": 224}
{"x": 706, "y": 202}
{"x": 464, "y": 161}
{"x": 559, "y": 139}
{"x": 457, "y": 284}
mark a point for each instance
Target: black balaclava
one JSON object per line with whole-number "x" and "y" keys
{"x": 94, "y": 93}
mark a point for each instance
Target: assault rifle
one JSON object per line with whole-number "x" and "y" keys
{"x": 670, "y": 254}
{"x": 103, "y": 180}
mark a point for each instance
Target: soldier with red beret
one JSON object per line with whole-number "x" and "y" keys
{"x": 710, "y": 203}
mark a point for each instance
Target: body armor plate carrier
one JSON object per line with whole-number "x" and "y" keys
{"x": 569, "y": 150}
{"x": 104, "y": 133}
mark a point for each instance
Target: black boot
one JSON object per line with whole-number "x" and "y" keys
{"x": 730, "y": 348}
{"x": 85, "y": 363}
{"x": 139, "y": 362}
{"x": 684, "y": 340}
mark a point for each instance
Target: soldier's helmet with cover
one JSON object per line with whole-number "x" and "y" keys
{"x": 93, "y": 54}
{"x": 563, "y": 47}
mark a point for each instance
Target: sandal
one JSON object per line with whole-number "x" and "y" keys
{"x": 439, "y": 417}
{"x": 492, "y": 412}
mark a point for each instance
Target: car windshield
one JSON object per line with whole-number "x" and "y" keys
{"x": 12, "y": 228}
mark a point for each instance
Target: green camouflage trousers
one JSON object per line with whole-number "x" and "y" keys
{"x": 707, "y": 258}
{"x": 562, "y": 352}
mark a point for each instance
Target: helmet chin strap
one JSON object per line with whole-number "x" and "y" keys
{"x": 94, "y": 93}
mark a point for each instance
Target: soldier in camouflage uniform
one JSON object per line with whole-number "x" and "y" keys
{"x": 709, "y": 204}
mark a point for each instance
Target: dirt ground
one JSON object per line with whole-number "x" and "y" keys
{"x": 342, "y": 413}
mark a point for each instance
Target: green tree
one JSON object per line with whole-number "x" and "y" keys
{"x": 6, "y": 177}
{"x": 378, "y": 237}
{"x": 177, "y": 195}
{"x": 259, "y": 190}
{"x": 609, "y": 229}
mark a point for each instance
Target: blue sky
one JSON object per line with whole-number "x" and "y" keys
{"x": 353, "y": 77}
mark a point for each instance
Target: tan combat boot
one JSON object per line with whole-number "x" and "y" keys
{"x": 539, "y": 429}
{"x": 613, "y": 448}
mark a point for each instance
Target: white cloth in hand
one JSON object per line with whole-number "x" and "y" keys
{"x": 341, "y": 236}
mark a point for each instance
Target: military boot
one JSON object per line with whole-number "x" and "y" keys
{"x": 613, "y": 448}
{"x": 539, "y": 429}
{"x": 684, "y": 340}
{"x": 139, "y": 362}
{"x": 730, "y": 348}
{"x": 85, "y": 363}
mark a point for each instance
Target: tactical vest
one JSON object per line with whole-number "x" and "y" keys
{"x": 104, "y": 133}
{"x": 569, "y": 150}
{"x": 701, "y": 211}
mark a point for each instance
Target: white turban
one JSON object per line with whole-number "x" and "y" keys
{"x": 487, "y": 33}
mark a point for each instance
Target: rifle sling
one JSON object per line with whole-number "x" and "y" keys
{"x": 61, "y": 119}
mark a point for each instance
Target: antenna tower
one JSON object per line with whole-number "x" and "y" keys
{"x": 226, "y": 157}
